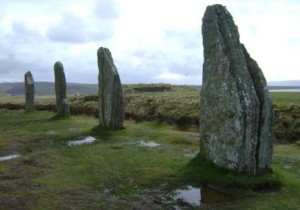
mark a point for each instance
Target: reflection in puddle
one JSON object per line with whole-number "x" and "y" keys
{"x": 148, "y": 144}
{"x": 51, "y": 133}
{"x": 9, "y": 157}
{"x": 196, "y": 196}
{"x": 73, "y": 129}
{"x": 85, "y": 140}
{"x": 190, "y": 194}
{"x": 191, "y": 154}
{"x": 211, "y": 196}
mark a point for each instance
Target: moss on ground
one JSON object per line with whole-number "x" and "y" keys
{"x": 117, "y": 172}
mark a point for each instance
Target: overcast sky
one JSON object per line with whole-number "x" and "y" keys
{"x": 151, "y": 41}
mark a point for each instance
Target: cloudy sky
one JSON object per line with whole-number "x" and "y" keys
{"x": 151, "y": 41}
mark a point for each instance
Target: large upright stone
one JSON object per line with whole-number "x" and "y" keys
{"x": 235, "y": 108}
{"x": 29, "y": 91}
{"x": 61, "y": 90}
{"x": 111, "y": 105}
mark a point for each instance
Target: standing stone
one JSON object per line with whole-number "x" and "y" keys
{"x": 61, "y": 90}
{"x": 111, "y": 105}
{"x": 29, "y": 91}
{"x": 236, "y": 107}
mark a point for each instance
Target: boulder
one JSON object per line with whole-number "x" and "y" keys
{"x": 235, "y": 107}
{"x": 61, "y": 90}
{"x": 111, "y": 105}
{"x": 29, "y": 91}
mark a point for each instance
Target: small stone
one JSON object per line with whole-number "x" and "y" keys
{"x": 29, "y": 91}
{"x": 236, "y": 107}
{"x": 111, "y": 105}
{"x": 61, "y": 90}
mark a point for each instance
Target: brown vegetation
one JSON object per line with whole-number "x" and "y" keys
{"x": 175, "y": 105}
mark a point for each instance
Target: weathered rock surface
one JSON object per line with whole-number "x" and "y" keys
{"x": 61, "y": 90}
{"x": 111, "y": 105}
{"x": 29, "y": 91}
{"x": 235, "y": 108}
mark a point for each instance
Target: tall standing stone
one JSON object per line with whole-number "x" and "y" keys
{"x": 61, "y": 90}
{"x": 235, "y": 108}
{"x": 111, "y": 105}
{"x": 29, "y": 91}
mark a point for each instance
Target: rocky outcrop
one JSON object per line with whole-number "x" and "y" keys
{"x": 111, "y": 105}
{"x": 61, "y": 90}
{"x": 235, "y": 106}
{"x": 29, "y": 91}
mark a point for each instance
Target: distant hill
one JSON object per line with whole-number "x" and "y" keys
{"x": 47, "y": 88}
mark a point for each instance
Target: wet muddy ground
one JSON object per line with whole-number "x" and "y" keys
{"x": 65, "y": 164}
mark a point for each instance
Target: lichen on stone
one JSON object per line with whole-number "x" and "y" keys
{"x": 61, "y": 90}
{"x": 29, "y": 91}
{"x": 235, "y": 107}
{"x": 111, "y": 104}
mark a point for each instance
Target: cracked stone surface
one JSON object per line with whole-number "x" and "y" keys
{"x": 111, "y": 104}
{"x": 235, "y": 108}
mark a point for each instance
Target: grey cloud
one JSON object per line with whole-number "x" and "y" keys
{"x": 184, "y": 58}
{"x": 12, "y": 67}
{"x": 151, "y": 63}
{"x": 147, "y": 55}
{"x": 186, "y": 62}
{"x": 186, "y": 69}
{"x": 107, "y": 9}
{"x": 130, "y": 74}
{"x": 15, "y": 50}
{"x": 70, "y": 29}
{"x": 103, "y": 31}
{"x": 106, "y": 13}
{"x": 190, "y": 49}
{"x": 149, "y": 74}
{"x": 97, "y": 27}
{"x": 22, "y": 34}
{"x": 187, "y": 38}
{"x": 18, "y": 48}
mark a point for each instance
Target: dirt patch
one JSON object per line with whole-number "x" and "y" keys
{"x": 74, "y": 191}
{"x": 268, "y": 187}
{"x": 16, "y": 188}
{"x": 18, "y": 202}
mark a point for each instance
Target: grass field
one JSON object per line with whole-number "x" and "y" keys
{"x": 175, "y": 105}
{"x": 118, "y": 172}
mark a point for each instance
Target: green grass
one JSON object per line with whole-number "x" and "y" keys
{"x": 285, "y": 99}
{"x": 115, "y": 172}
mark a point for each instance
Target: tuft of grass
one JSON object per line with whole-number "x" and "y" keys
{"x": 210, "y": 174}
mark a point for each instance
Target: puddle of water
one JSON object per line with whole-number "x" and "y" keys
{"x": 190, "y": 194}
{"x": 287, "y": 166}
{"x": 85, "y": 140}
{"x": 51, "y": 133}
{"x": 150, "y": 144}
{"x": 191, "y": 154}
{"x": 73, "y": 129}
{"x": 211, "y": 196}
{"x": 196, "y": 196}
{"x": 9, "y": 157}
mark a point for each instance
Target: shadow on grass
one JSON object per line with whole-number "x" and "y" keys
{"x": 101, "y": 131}
{"x": 200, "y": 171}
{"x": 58, "y": 117}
